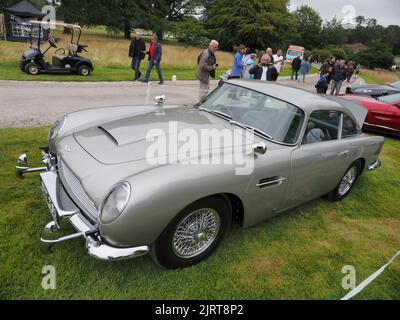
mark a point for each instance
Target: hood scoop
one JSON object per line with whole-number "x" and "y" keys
{"x": 129, "y": 139}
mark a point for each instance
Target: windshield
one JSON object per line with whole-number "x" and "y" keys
{"x": 391, "y": 99}
{"x": 395, "y": 84}
{"x": 278, "y": 120}
{"x": 294, "y": 53}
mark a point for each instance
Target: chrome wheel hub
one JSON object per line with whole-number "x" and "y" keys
{"x": 195, "y": 233}
{"x": 347, "y": 181}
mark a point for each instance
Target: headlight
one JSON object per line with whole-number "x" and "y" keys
{"x": 115, "y": 203}
{"x": 57, "y": 127}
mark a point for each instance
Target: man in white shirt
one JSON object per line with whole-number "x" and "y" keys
{"x": 279, "y": 60}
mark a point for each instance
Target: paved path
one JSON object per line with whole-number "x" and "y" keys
{"x": 34, "y": 103}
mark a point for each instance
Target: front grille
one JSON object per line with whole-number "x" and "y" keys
{"x": 76, "y": 192}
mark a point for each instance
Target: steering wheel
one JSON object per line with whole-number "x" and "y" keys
{"x": 61, "y": 49}
{"x": 52, "y": 42}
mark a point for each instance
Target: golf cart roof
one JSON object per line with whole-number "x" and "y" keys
{"x": 58, "y": 24}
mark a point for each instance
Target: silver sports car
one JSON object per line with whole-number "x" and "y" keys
{"x": 169, "y": 180}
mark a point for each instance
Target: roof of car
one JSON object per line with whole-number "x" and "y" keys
{"x": 306, "y": 100}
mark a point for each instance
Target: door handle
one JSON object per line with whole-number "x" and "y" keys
{"x": 343, "y": 153}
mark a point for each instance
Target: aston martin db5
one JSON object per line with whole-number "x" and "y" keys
{"x": 107, "y": 173}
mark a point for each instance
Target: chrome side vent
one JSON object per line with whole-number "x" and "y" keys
{"x": 270, "y": 182}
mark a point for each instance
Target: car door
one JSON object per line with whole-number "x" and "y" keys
{"x": 378, "y": 115}
{"x": 320, "y": 162}
{"x": 394, "y": 117}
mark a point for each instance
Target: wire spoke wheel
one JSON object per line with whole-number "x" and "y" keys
{"x": 347, "y": 181}
{"x": 196, "y": 233}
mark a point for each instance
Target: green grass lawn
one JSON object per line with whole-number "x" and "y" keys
{"x": 101, "y": 73}
{"x": 370, "y": 79}
{"x": 11, "y": 71}
{"x": 298, "y": 255}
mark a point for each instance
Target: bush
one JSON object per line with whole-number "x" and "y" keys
{"x": 373, "y": 58}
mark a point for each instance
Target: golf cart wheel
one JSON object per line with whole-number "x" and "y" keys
{"x": 84, "y": 70}
{"x": 32, "y": 69}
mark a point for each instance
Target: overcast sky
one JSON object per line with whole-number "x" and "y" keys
{"x": 387, "y": 12}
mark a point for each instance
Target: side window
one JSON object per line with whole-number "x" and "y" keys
{"x": 349, "y": 127}
{"x": 322, "y": 126}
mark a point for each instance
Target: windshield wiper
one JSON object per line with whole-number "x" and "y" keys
{"x": 255, "y": 130}
{"x": 217, "y": 113}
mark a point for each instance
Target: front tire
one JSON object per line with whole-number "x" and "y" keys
{"x": 193, "y": 234}
{"x": 84, "y": 70}
{"x": 32, "y": 69}
{"x": 347, "y": 182}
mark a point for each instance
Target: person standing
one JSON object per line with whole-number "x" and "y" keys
{"x": 338, "y": 76}
{"x": 238, "y": 62}
{"x": 358, "y": 71}
{"x": 332, "y": 63}
{"x": 322, "y": 84}
{"x": 137, "y": 51}
{"x": 251, "y": 63}
{"x": 350, "y": 71}
{"x": 279, "y": 61}
{"x": 296, "y": 67}
{"x": 269, "y": 51}
{"x": 155, "y": 55}
{"x": 305, "y": 68}
{"x": 265, "y": 70}
{"x": 206, "y": 66}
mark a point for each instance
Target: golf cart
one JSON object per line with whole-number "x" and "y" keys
{"x": 64, "y": 60}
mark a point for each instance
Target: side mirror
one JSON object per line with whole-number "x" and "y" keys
{"x": 260, "y": 148}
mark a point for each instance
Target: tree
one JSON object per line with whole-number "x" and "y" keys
{"x": 333, "y": 33}
{"x": 123, "y": 15}
{"x": 191, "y": 32}
{"x": 377, "y": 56}
{"x": 256, "y": 23}
{"x": 308, "y": 26}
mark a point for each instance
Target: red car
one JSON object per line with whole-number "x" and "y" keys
{"x": 384, "y": 112}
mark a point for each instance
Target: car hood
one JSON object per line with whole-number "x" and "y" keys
{"x": 134, "y": 138}
{"x": 368, "y": 88}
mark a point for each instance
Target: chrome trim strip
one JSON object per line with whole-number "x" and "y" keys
{"x": 379, "y": 126}
{"x": 273, "y": 183}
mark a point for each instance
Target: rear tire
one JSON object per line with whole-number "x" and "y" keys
{"x": 193, "y": 234}
{"x": 32, "y": 69}
{"x": 347, "y": 183}
{"x": 84, "y": 70}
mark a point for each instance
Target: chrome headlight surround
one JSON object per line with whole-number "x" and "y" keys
{"x": 115, "y": 203}
{"x": 57, "y": 127}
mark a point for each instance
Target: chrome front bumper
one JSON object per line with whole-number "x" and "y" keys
{"x": 375, "y": 165}
{"x": 52, "y": 189}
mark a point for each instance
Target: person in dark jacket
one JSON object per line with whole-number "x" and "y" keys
{"x": 338, "y": 76}
{"x": 322, "y": 84}
{"x": 296, "y": 67}
{"x": 265, "y": 70}
{"x": 137, "y": 51}
{"x": 155, "y": 55}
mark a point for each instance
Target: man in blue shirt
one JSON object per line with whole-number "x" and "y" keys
{"x": 238, "y": 62}
{"x": 322, "y": 84}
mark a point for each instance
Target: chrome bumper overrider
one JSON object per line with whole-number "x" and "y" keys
{"x": 375, "y": 165}
{"x": 51, "y": 188}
